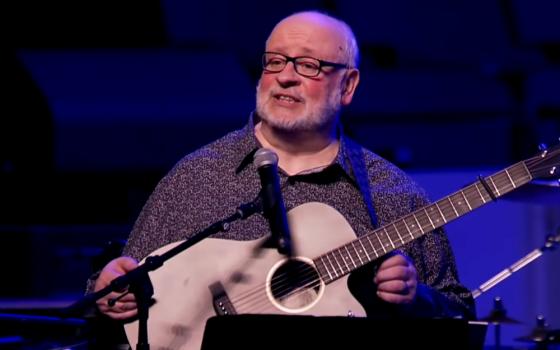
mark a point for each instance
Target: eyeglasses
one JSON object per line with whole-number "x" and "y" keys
{"x": 310, "y": 67}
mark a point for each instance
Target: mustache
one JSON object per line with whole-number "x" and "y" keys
{"x": 293, "y": 94}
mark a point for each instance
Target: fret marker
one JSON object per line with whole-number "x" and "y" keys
{"x": 441, "y": 213}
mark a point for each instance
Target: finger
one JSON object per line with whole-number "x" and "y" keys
{"x": 122, "y": 315}
{"x": 115, "y": 268}
{"x": 123, "y": 297}
{"x": 110, "y": 296}
{"x": 119, "y": 307}
{"x": 394, "y": 298}
{"x": 127, "y": 298}
{"x": 393, "y": 273}
{"x": 395, "y": 287}
{"x": 395, "y": 260}
{"x": 128, "y": 306}
{"x": 125, "y": 264}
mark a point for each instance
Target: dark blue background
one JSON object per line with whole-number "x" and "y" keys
{"x": 101, "y": 98}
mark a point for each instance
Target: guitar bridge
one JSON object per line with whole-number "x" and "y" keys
{"x": 220, "y": 300}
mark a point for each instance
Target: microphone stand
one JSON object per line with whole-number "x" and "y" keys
{"x": 139, "y": 282}
{"x": 551, "y": 242}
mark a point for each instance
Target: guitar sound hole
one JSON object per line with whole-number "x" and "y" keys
{"x": 295, "y": 284}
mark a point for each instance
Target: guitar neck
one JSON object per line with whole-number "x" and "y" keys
{"x": 347, "y": 258}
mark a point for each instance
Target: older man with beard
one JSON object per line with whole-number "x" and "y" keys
{"x": 310, "y": 71}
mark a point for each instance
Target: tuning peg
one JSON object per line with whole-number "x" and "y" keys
{"x": 543, "y": 147}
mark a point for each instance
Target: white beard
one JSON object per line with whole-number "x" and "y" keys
{"x": 311, "y": 119}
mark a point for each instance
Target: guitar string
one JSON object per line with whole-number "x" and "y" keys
{"x": 280, "y": 278}
{"x": 310, "y": 273}
{"x": 261, "y": 304}
{"x": 281, "y": 282}
{"x": 256, "y": 306}
{"x": 311, "y": 278}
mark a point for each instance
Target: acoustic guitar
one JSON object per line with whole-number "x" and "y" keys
{"x": 218, "y": 277}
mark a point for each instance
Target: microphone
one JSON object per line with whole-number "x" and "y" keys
{"x": 274, "y": 210}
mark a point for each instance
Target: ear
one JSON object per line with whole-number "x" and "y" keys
{"x": 349, "y": 84}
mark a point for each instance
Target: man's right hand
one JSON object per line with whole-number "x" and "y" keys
{"x": 125, "y": 307}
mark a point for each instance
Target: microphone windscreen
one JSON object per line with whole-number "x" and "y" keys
{"x": 265, "y": 156}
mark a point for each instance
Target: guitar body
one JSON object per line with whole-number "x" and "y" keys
{"x": 186, "y": 286}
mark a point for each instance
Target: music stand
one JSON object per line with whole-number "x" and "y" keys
{"x": 309, "y": 332}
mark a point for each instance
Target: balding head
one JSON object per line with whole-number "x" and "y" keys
{"x": 340, "y": 34}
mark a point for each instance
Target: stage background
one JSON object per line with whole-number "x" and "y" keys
{"x": 100, "y": 99}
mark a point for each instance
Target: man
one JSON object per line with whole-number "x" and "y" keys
{"x": 309, "y": 73}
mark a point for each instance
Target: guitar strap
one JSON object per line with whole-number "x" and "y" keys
{"x": 355, "y": 156}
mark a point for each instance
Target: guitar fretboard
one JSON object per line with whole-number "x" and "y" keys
{"x": 347, "y": 258}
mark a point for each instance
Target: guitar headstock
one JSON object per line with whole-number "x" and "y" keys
{"x": 546, "y": 164}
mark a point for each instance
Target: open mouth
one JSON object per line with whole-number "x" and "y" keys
{"x": 287, "y": 98}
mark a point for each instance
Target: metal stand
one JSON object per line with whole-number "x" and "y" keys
{"x": 551, "y": 242}
{"x": 138, "y": 281}
{"x": 498, "y": 315}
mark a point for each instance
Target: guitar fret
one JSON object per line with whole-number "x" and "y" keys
{"x": 441, "y": 213}
{"x": 413, "y": 225}
{"x": 350, "y": 256}
{"x": 326, "y": 268}
{"x": 410, "y": 233}
{"x": 364, "y": 249}
{"x": 518, "y": 174}
{"x": 446, "y": 210}
{"x": 493, "y": 184}
{"x": 332, "y": 265}
{"x": 358, "y": 253}
{"x": 398, "y": 234}
{"x": 371, "y": 244}
{"x": 343, "y": 261}
{"x": 430, "y": 219}
{"x": 436, "y": 216}
{"x": 480, "y": 193}
{"x": 388, "y": 237}
{"x": 341, "y": 257}
{"x": 382, "y": 246}
{"x": 526, "y": 174}
{"x": 503, "y": 182}
{"x": 460, "y": 204}
{"x": 510, "y": 179}
{"x": 466, "y": 200}
{"x": 418, "y": 223}
{"x": 472, "y": 198}
{"x": 452, "y": 206}
{"x": 355, "y": 254}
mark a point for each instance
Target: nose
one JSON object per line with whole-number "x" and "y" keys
{"x": 288, "y": 76}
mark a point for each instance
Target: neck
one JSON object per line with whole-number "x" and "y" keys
{"x": 299, "y": 151}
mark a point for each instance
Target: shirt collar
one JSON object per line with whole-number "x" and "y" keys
{"x": 250, "y": 144}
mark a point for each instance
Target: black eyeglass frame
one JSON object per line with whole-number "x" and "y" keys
{"x": 322, "y": 64}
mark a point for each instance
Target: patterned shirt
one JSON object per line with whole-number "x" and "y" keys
{"x": 210, "y": 183}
